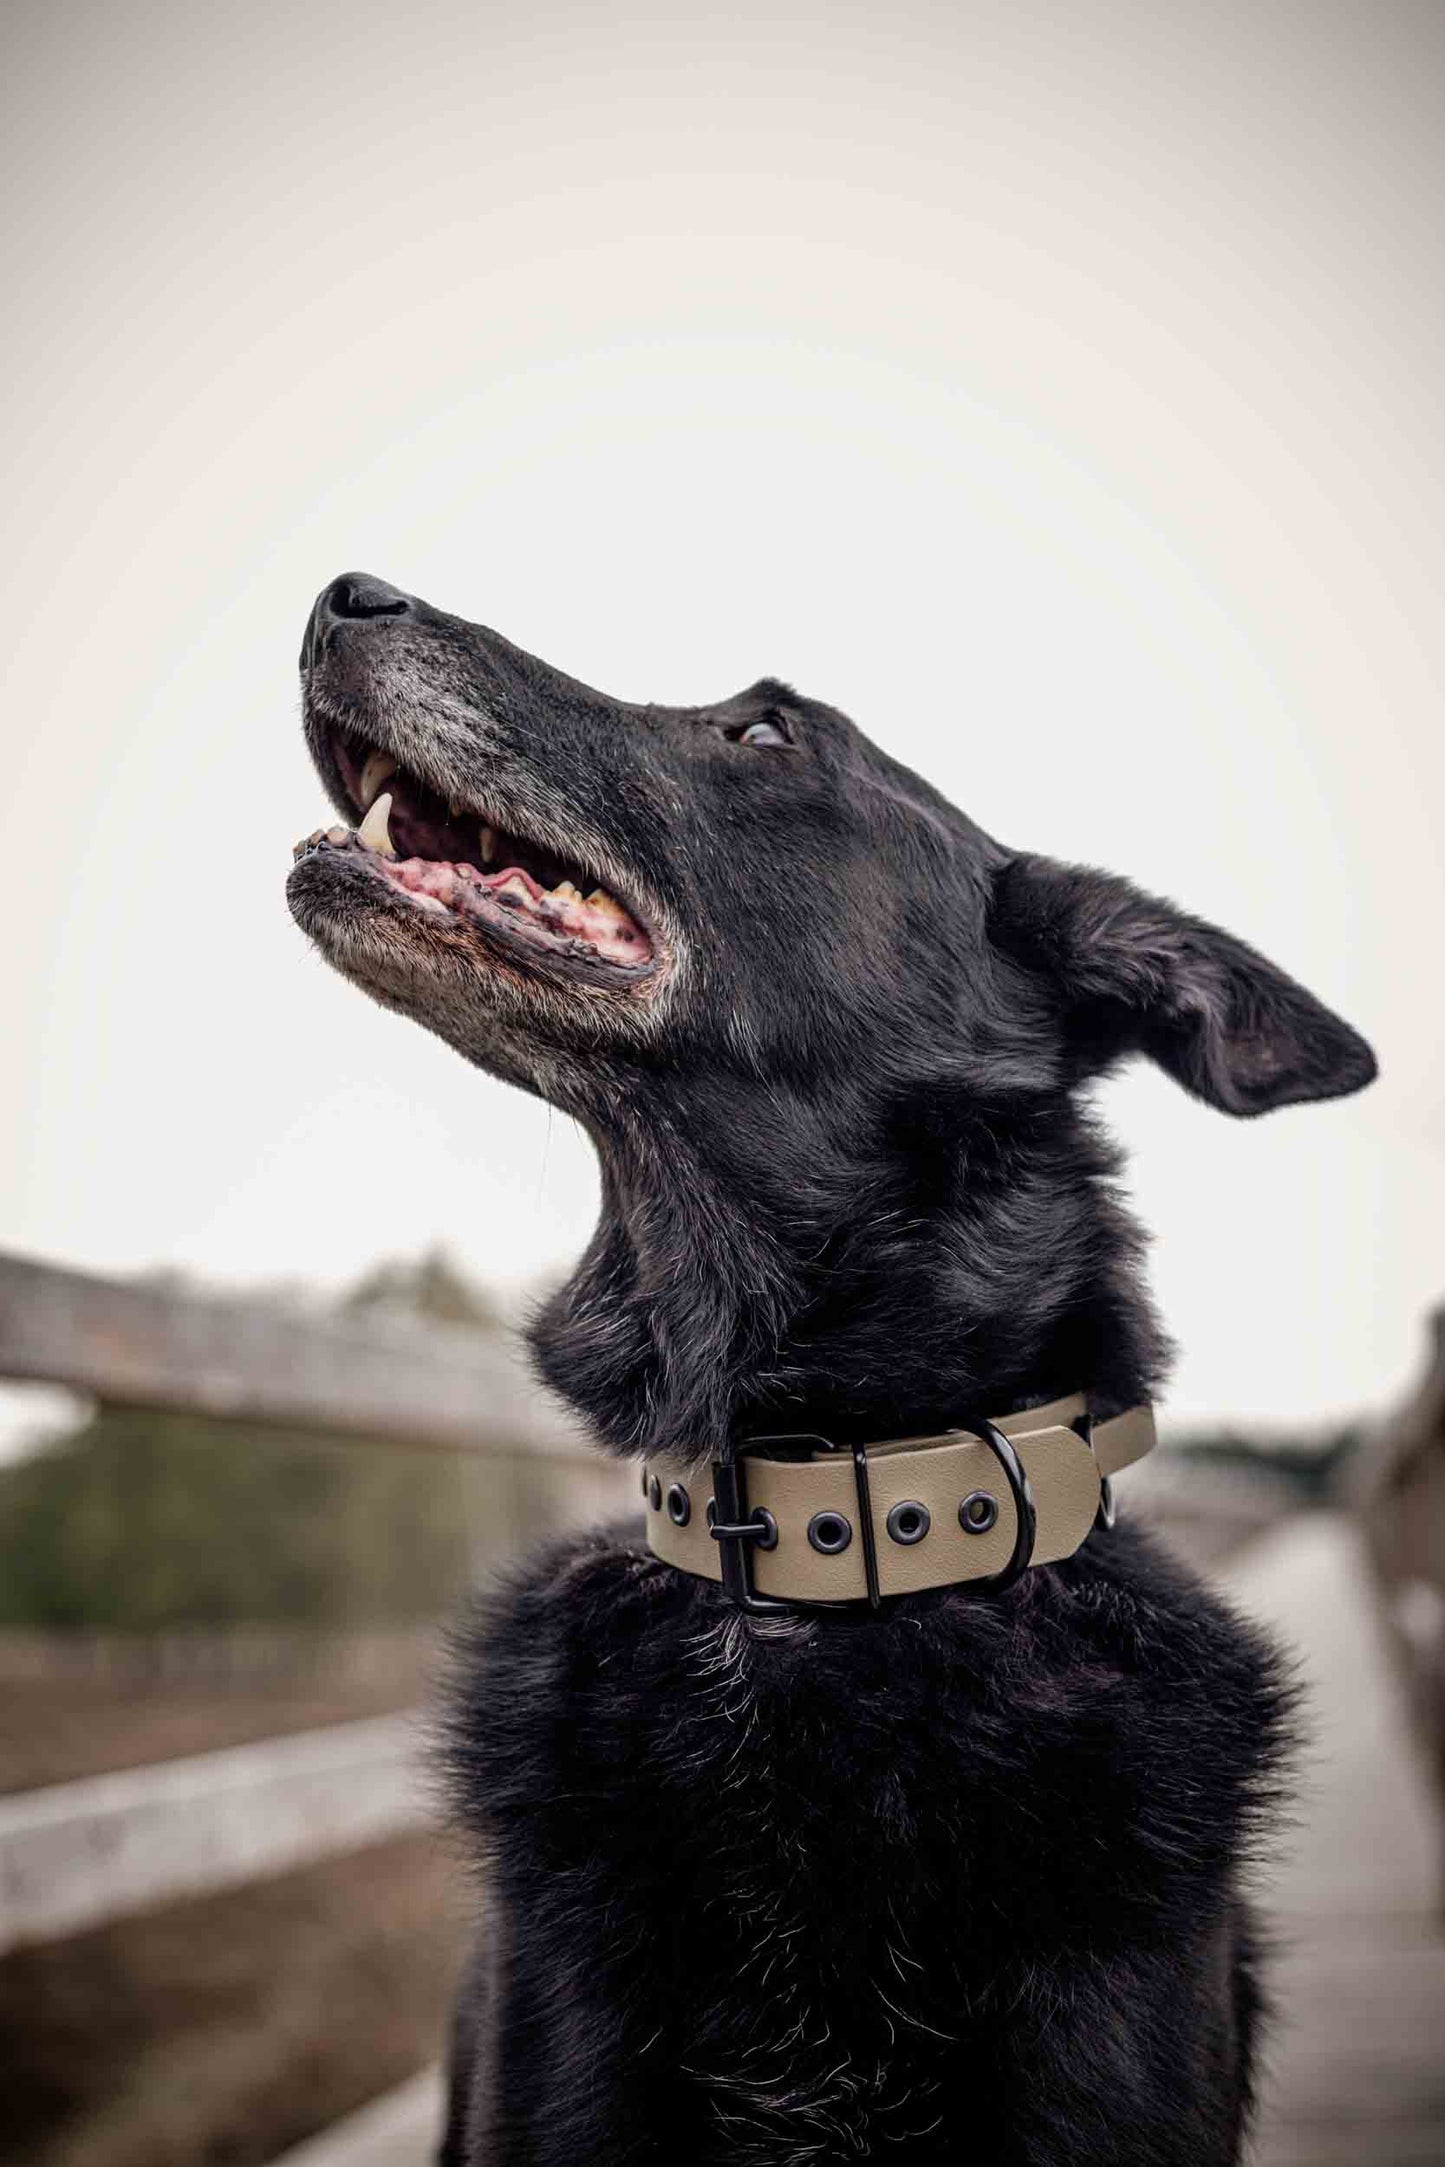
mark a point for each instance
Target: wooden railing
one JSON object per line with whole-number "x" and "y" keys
{"x": 76, "y": 1854}
{"x": 136, "y": 1345}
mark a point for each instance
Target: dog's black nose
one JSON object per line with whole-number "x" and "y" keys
{"x": 357, "y": 594}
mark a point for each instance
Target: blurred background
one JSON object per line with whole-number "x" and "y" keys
{"x": 1055, "y": 388}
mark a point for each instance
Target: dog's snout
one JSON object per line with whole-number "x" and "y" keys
{"x": 357, "y": 594}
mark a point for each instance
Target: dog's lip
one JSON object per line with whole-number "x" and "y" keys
{"x": 487, "y": 926}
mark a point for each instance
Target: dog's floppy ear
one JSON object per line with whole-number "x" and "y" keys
{"x": 1132, "y": 974}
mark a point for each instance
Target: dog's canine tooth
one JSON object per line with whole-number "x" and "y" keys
{"x": 489, "y": 844}
{"x": 378, "y": 766}
{"x": 375, "y": 829}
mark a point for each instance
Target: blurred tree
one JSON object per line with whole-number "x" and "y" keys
{"x": 430, "y": 1286}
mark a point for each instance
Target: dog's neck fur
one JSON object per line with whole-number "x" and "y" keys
{"x": 782, "y": 1263}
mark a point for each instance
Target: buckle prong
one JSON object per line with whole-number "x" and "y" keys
{"x": 734, "y": 1528}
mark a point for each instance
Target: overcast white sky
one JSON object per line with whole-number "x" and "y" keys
{"x": 1056, "y": 388}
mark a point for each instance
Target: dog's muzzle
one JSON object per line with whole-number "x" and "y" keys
{"x": 794, "y": 1520}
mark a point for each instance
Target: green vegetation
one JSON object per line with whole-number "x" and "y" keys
{"x": 143, "y": 1522}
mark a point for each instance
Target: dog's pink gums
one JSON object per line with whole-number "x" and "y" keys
{"x": 597, "y": 920}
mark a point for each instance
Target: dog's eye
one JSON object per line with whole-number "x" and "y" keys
{"x": 762, "y": 733}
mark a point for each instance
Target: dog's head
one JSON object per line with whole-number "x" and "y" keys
{"x": 826, "y": 1033}
{"x": 571, "y": 888}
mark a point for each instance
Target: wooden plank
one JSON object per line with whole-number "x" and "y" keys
{"x": 149, "y": 1346}
{"x": 1399, "y": 1486}
{"x": 401, "y": 2129}
{"x": 77, "y": 1854}
{"x": 1354, "y": 2062}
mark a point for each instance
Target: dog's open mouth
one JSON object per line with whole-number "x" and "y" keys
{"x": 457, "y": 864}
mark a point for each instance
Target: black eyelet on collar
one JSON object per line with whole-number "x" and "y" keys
{"x": 978, "y": 1512}
{"x": 908, "y": 1521}
{"x": 830, "y": 1532}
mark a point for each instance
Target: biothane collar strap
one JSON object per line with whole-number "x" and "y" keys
{"x": 795, "y": 1520}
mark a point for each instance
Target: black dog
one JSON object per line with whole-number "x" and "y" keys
{"x": 952, "y": 1879}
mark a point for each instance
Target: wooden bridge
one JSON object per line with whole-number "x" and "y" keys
{"x": 1358, "y": 2059}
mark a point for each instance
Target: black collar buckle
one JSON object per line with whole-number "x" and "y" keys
{"x": 734, "y": 1528}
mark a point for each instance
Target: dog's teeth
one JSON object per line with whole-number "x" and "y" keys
{"x": 338, "y": 835}
{"x": 378, "y": 766}
{"x": 375, "y": 830}
{"x": 567, "y": 893}
{"x": 608, "y": 904}
{"x": 455, "y": 807}
{"x": 489, "y": 845}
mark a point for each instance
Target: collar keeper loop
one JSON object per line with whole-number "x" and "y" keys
{"x": 1026, "y": 1517}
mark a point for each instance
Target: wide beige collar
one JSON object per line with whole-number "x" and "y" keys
{"x": 823, "y": 1525}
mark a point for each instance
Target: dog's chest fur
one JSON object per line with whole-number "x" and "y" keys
{"x": 828, "y": 1888}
